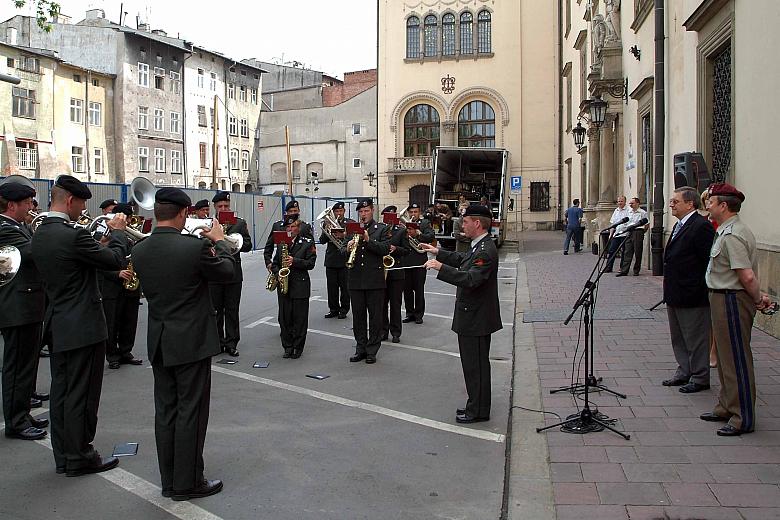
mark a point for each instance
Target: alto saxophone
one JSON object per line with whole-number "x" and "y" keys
{"x": 271, "y": 282}
{"x": 284, "y": 272}
{"x": 133, "y": 283}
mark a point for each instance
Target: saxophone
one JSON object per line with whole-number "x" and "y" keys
{"x": 284, "y": 272}
{"x": 133, "y": 283}
{"x": 271, "y": 282}
{"x": 353, "y": 253}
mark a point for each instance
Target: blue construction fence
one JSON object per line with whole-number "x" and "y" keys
{"x": 259, "y": 211}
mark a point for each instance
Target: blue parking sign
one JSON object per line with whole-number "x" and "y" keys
{"x": 515, "y": 183}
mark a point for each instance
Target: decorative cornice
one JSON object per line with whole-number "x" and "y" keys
{"x": 644, "y": 87}
{"x": 430, "y": 4}
{"x": 703, "y": 14}
{"x": 566, "y": 70}
{"x": 581, "y": 37}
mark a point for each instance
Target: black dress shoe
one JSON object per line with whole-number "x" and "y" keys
{"x": 385, "y": 337}
{"x": 467, "y": 419}
{"x": 28, "y": 434}
{"x": 40, "y": 396}
{"x": 343, "y": 316}
{"x": 357, "y": 357}
{"x": 711, "y": 417}
{"x": 692, "y": 388}
{"x": 729, "y": 431}
{"x": 622, "y": 274}
{"x": 296, "y": 354}
{"x": 113, "y": 365}
{"x": 206, "y": 488}
{"x": 44, "y": 353}
{"x": 460, "y": 411}
{"x": 396, "y": 339}
{"x": 636, "y": 274}
{"x": 167, "y": 492}
{"x": 100, "y": 465}
{"x": 674, "y": 382}
{"x": 408, "y": 319}
{"x": 39, "y": 423}
{"x": 131, "y": 361}
{"x": 370, "y": 360}
{"x": 59, "y": 470}
{"x": 331, "y": 314}
{"x": 35, "y": 403}
{"x": 565, "y": 252}
{"x": 287, "y": 353}
{"x": 418, "y": 321}
{"x": 607, "y": 270}
{"x": 232, "y": 351}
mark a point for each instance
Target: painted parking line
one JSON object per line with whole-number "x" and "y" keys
{"x": 453, "y": 296}
{"x": 381, "y": 410}
{"x": 442, "y": 316}
{"x": 258, "y": 322}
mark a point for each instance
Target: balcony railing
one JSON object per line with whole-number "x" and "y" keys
{"x": 421, "y": 163}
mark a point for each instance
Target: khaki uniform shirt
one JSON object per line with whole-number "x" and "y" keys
{"x": 734, "y": 248}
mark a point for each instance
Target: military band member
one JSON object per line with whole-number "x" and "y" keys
{"x": 477, "y": 313}
{"x": 292, "y": 208}
{"x": 21, "y": 315}
{"x": 414, "y": 283}
{"x": 120, "y": 306}
{"x": 391, "y": 313}
{"x": 226, "y": 296}
{"x": 107, "y": 206}
{"x": 336, "y": 269}
{"x": 294, "y": 306}
{"x": 175, "y": 271}
{"x": 367, "y": 283}
{"x": 68, "y": 259}
{"x": 202, "y": 209}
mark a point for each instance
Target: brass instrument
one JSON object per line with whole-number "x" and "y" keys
{"x": 10, "y": 262}
{"x": 271, "y": 282}
{"x": 94, "y": 224}
{"x": 330, "y": 223}
{"x": 37, "y": 219}
{"x": 133, "y": 283}
{"x": 414, "y": 243}
{"x": 353, "y": 253}
{"x": 387, "y": 262}
{"x": 284, "y": 272}
{"x": 193, "y": 226}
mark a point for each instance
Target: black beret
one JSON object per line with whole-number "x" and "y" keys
{"x": 414, "y": 206}
{"x": 108, "y": 202}
{"x": 289, "y": 219}
{"x": 478, "y": 210}
{"x": 338, "y": 205}
{"x": 220, "y": 196}
{"x": 365, "y": 203}
{"x": 390, "y": 209}
{"x": 203, "y": 203}
{"x": 173, "y": 196}
{"x": 291, "y": 204}
{"x": 124, "y": 207}
{"x": 15, "y": 192}
{"x": 73, "y": 186}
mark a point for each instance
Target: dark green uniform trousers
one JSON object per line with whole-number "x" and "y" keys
{"x": 475, "y": 360}
{"x": 20, "y": 369}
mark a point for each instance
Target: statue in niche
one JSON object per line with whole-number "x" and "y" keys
{"x": 613, "y": 20}
{"x": 598, "y": 36}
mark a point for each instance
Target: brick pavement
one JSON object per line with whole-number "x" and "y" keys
{"x": 674, "y": 466}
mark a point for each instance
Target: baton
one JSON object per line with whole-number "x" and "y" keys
{"x": 406, "y": 267}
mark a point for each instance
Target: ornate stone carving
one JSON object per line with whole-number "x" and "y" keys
{"x": 613, "y": 20}
{"x": 448, "y": 84}
{"x": 485, "y": 93}
{"x": 598, "y": 36}
{"x": 449, "y": 125}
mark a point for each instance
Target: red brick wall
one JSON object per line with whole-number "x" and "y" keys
{"x": 354, "y": 84}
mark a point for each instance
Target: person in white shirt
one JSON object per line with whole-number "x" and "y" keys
{"x": 634, "y": 240}
{"x": 620, "y": 212}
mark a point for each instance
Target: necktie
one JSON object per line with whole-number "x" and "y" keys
{"x": 676, "y": 230}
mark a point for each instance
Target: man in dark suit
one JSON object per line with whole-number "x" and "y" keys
{"x": 294, "y": 306}
{"x": 175, "y": 271}
{"x": 477, "y": 313}
{"x": 226, "y": 296}
{"x": 68, "y": 259}
{"x": 292, "y": 208}
{"x": 120, "y": 306}
{"x": 414, "y": 289}
{"x": 685, "y": 292}
{"x": 336, "y": 269}
{"x": 391, "y": 314}
{"x": 367, "y": 283}
{"x": 21, "y": 316}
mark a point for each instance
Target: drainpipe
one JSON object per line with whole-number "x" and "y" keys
{"x": 657, "y": 232}
{"x": 87, "y": 79}
{"x": 559, "y": 216}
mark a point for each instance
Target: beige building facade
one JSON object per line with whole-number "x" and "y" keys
{"x": 715, "y": 94}
{"x": 469, "y": 73}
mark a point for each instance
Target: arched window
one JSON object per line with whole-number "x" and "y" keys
{"x": 201, "y": 185}
{"x": 431, "y": 25}
{"x": 413, "y": 37}
{"x": 279, "y": 172}
{"x": 477, "y": 125}
{"x": 466, "y": 33}
{"x": 248, "y": 188}
{"x": 483, "y": 32}
{"x": 448, "y": 34}
{"x": 236, "y": 187}
{"x": 421, "y": 130}
{"x": 296, "y": 169}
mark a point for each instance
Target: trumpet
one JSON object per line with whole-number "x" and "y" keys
{"x": 193, "y": 226}
{"x": 37, "y": 219}
{"x": 94, "y": 224}
{"x": 284, "y": 273}
{"x": 414, "y": 243}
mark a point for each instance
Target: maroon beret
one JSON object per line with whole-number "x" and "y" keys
{"x": 724, "y": 188}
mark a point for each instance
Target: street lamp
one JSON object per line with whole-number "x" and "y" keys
{"x": 598, "y": 111}
{"x": 579, "y": 135}
{"x": 373, "y": 181}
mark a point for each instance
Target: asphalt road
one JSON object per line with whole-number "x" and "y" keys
{"x": 369, "y": 442}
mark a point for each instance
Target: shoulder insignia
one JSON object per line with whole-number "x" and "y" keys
{"x": 213, "y": 251}
{"x": 313, "y": 249}
{"x": 479, "y": 262}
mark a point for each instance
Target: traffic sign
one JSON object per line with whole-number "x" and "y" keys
{"x": 515, "y": 183}
{"x": 260, "y": 205}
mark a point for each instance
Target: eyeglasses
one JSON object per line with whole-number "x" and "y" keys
{"x": 674, "y": 202}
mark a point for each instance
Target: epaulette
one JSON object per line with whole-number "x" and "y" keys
{"x": 727, "y": 230}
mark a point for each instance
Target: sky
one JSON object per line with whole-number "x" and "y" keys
{"x": 333, "y": 37}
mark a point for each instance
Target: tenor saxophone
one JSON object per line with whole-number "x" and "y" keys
{"x": 284, "y": 272}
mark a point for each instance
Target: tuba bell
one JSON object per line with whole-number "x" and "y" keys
{"x": 405, "y": 218}
{"x": 330, "y": 223}
{"x": 10, "y": 262}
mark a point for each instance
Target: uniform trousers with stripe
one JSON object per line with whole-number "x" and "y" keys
{"x": 732, "y": 320}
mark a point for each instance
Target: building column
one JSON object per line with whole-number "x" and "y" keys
{"x": 594, "y": 166}
{"x": 607, "y": 176}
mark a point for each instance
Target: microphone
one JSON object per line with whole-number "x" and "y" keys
{"x": 634, "y": 226}
{"x": 616, "y": 224}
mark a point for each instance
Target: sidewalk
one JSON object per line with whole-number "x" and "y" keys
{"x": 674, "y": 466}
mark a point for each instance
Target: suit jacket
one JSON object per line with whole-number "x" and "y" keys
{"x": 68, "y": 259}
{"x": 475, "y": 273}
{"x": 402, "y": 248}
{"x": 369, "y": 272}
{"x": 174, "y": 270}
{"x": 241, "y": 228}
{"x": 426, "y": 235}
{"x": 22, "y": 301}
{"x": 685, "y": 263}
{"x": 334, "y": 257}
{"x": 268, "y": 250}
{"x": 304, "y": 253}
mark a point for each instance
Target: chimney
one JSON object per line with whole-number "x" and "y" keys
{"x": 159, "y": 32}
{"x": 95, "y": 14}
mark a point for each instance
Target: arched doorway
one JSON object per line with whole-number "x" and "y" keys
{"x": 421, "y": 195}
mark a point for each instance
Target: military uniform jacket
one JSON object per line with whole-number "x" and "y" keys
{"x": 427, "y": 236}
{"x": 241, "y": 228}
{"x": 402, "y": 248}
{"x": 475, "y": 273}
{"x": 268, "y": 250}
{"x": 368, "y": 271}
{"x": 685, "y": 263}
{"x": 175, "y": 270}
{"x": 304, "y": 253}
{"x": 334, "y": 257}
{"x": 22, "y": 301}
{"x": 68, "y": 259}
{"x": 111, "y": 285}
